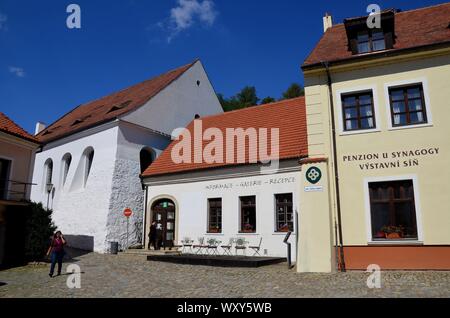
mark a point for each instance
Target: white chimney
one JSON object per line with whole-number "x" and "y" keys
{"x": 327, "y": 22}
{"x": 39, "y": 127}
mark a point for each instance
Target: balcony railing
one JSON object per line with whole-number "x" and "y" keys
{"x": 13, "y": 190}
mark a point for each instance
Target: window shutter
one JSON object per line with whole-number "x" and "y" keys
{"x": 389, "y": 39}
{"x": 354, "y": 45}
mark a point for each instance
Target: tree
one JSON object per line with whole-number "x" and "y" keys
{"x": 247, "y": 97}
{"x": 39, "y": 228}
{"x": 295, "y": 90}
{"x": 268, "y": 100}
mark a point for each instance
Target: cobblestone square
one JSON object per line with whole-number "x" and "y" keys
{"x": 133, "y": 276}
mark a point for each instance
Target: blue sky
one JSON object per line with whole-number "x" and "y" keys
{"x": 47, "y": 69}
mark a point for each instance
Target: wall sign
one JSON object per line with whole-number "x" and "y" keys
{"x": 393, "y": 159}
{"x": 314, "y": 189}
{"x": 313, "y": 175}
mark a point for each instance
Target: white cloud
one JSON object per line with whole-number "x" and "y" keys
{"x": 3, "y": 19}
{"x": 187, "y": 13}
{"x": 18, "y": 71}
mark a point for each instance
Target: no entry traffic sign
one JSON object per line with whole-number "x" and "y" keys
{"x": 127, "y": 212}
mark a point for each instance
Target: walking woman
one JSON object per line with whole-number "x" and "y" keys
{"x": 56, "y": 250}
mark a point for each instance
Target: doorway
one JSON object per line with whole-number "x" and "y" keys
{"x": 5, "y": 166}
{"x": 163, "y": 213}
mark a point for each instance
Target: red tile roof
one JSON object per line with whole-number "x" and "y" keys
{"x": 414, "y": 28}
{"x": 110, "y": 107}
{"x": 10, "y": 127}
{"x": 288, "y": 116}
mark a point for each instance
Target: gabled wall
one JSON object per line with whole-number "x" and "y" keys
{"x": 177, "y": 104}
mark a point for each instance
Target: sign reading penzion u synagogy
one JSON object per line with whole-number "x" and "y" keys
{"x": 393, "y": 159}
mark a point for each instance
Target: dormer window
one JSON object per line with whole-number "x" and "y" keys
{"x": 362, "y": 39}
{"x": 370, "y": 41}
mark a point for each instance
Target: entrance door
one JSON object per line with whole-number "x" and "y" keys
{"x": 163, "y": 212}
{"x": 4, "y": 174}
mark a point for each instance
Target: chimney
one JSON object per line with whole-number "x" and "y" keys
{"x": 327, "y": 22}
{"x": 39, "y": 127}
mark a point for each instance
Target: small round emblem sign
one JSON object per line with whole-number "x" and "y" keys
{"x": 127, "y": 212}
{"x": 313, "y": 175}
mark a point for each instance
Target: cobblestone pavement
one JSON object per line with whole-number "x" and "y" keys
{"x": 134, "y": 276}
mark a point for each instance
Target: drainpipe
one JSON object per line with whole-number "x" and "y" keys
{"x": 144, "y": 224}
{"x": 341, "y": 259}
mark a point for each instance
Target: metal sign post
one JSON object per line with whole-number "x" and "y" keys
{"x": 127, "y": 213}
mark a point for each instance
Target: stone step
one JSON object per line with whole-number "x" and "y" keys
{"x": 150, "y": 252}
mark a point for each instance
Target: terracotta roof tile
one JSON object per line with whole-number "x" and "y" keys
{"x": 288, "y": 116}
{"x": 414, "y": 28}
{"x": 10, "y": 127}
{"x": 109, "y": 107}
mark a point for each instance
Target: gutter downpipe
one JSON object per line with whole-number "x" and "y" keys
{"x": 144, "y": 224}
{"x": 341, "y": 259}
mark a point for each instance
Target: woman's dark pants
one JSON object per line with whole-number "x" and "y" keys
{"x": 56, "y": 257}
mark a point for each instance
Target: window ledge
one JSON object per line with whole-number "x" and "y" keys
{"x": 394, "y": 243}
{"x": 254, "y": 234}
{"x": 360, "y": 131}
{"x": 411, "y": 126}
{"x": 282, "y": 233}
{"x": 214, "y": 234}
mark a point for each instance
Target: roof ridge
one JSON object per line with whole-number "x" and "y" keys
{"x": 187, "y": 66}
{"x": 398, "y": 12}
{"x": 26, "y": 134}
{"x": 253, "y": 107}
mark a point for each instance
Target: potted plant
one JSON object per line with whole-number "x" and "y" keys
{"x": 214, "y": 230}
{"x": 393, "y": 232}
{"x": 247, "y": 228}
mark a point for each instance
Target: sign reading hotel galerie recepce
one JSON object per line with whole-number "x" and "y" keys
{"x": 393, "y": 159}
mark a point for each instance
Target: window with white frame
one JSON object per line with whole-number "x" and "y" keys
{"x": 66, "y": 161}
{"x": 88, "y": 158}
{"x": 407, "y": 105}
{"x": 358, "y": 111}
{"x": 48, "y": 175}
{"x": 393, "y": 210}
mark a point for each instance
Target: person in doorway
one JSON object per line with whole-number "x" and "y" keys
{"x": 153, "y": 236}
{"x": 56, "y": 251}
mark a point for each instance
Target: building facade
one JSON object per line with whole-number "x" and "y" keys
{"x": 208, "y": 198}
{"x": 88, "y": 168}
{"x": 376, "y": 111}
{"x": 17, "y": 152}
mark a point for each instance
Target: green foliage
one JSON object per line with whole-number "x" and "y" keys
{"x": 247, "y": 97}
{"x": 295, "y": 90}
{"x": 39, "y": 228}
{"x": 268, "y": 100}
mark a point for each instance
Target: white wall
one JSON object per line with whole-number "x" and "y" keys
{"x": 127, "y": 189}
{"x": 191, "y": 200}
{"x": 178, "y": 103}
{"x": 79, "y": 213}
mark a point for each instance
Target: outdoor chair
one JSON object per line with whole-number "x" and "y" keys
{"x": 227, "y": 248}
{"x": 187, "y": 244}
{"x": 256, "y": 249}
{"x": 200, "y": 246}
{"x": 213, "y": 246}
{"x": 241, "y": 244}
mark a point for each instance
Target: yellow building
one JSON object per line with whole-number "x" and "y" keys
{"x": 376, "y": 186}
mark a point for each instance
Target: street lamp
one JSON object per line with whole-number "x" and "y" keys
{"x": 49, "y": 188}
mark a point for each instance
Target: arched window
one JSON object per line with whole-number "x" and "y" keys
{"x": 146, "y": 158}
{"x": 66, "y": 161}
{"x": 48, "y": 174}
{"x": 88, "y": 157}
